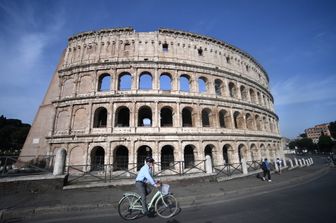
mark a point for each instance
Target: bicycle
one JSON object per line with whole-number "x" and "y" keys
{"x": 163, "y": 202}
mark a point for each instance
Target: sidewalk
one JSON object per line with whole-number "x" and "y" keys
{"x": 192, "y": 192}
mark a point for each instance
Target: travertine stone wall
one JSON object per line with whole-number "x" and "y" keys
{"x": 233, "y": 115}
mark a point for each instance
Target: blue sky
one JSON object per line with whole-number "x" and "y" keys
{"x": 294, "y": 40}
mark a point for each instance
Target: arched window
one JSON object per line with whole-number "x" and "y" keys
{"x": 120, "y": 158}
{"x": 200, "y": 52}
{"x": 100, "y": 118}
{"x": 104, "y": 82}
{"x": 208, "y": 150}
{"x": 97, "y": 159}
{"x": 167, "y": 157}
{"x": 226, "y": 149}
{"x": 165, "y": 82}
{"x": 241, "y": 152}
{"x": 259, "y": 98}
{"x": 265, "y": 124}
{"x": 145, "y": 116}
{"x": 253, "y": 96}
{"x": 243, "y": 93}
{"x": 249, "y": 121}
{"x": 125, "y": 82}
{"x": 165, "y": 47}
{"x": 122, "y": 117}
{"x": 206, "y": 117}
{"x": 219, "y": 87}
{"x": 264, "y": 100}
{"x": 166, "y": 117}
{"x": 185, "y": 83}
{"x": 238, "y": 120}
{"x": 202, "y": 84}
{"x": 254, "y": 152}
{"x": 189, "y": 158}
{"x": 258, "y": 121}
{"x": 142, "y": 153}
{"x": 145, "y": 80}
{"x": 222, "y": 118}
{"x": 187, "y": 117}
{"x": 233, "y": 90}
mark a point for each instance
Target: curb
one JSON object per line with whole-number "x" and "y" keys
{"x": 184, "y": 202}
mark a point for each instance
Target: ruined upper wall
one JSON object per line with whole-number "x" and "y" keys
{"x": 165, "y": 45}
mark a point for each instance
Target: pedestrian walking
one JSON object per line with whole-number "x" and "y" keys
{"x": 266, "y": 167}
{"x": 278, "y": 163}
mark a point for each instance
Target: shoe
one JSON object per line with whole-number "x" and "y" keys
{"x": 269, "y": 180}
{"x": 263, "y": 179}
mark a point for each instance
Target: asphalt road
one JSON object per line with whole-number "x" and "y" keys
{"x": 311, "y": 202}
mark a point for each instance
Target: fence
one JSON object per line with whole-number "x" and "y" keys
{"x": 228, "y": 169}
{"x": 253, "y": 165}
{"x": 109, "y": 172}
{"x": 11, "y": 166}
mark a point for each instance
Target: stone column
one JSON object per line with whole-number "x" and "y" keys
{"x": 244, "y": 166}
{"x": 291, "y": 163}
{"x": 59, "y": 162}
{"x": 208, "y": 164}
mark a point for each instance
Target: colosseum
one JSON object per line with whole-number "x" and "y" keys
{"x": 118, "y": 96}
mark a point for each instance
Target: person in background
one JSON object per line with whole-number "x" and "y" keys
{"x": 142, "y": 180}
{"x": 278, "y": 163}
{"x": 265, "y": 166}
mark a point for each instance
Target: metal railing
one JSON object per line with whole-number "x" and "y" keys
{"x": 109, "y": 172}
{"x": 178, "y": 168}
{"x": 253, "y": 165}
{"x": 228, "y": 169}
{"x": 11, "y": 166}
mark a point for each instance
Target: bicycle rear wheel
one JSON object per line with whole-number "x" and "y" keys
{"x": 130, "y": 207}
{"x": 166, "y": 206}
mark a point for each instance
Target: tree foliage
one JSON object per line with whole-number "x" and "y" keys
{"x": 303, "y": 144}
{"x": 13, "y": 134}
{"x": 325, "y": 143}
{"x": 332, "y": 129}
{"x": 303, "y": 135}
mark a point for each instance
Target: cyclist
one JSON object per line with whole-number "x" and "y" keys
{"x": 144, "y": 177}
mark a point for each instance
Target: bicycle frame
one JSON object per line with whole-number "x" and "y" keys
{"x": 156, "y": 196}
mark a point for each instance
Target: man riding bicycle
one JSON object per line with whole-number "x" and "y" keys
{"x": 144, "y": 177}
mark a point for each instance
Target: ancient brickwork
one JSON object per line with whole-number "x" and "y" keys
{"x": 119, "y": 95}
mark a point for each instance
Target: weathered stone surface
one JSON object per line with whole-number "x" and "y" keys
{"x": 88, "y": 111}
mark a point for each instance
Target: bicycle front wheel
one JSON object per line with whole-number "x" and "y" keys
{"x": 130, "y": 207}
{"x": 166, "y": 206}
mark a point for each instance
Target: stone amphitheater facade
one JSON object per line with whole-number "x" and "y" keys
{"x": 118, "y": 95}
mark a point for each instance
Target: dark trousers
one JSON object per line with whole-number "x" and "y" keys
{"x": 268, "y": 172}
{"x": 143, "y": 190}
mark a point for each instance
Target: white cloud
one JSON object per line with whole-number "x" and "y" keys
{"x": 25, "y": 57}
{"x": 301, "y": 89}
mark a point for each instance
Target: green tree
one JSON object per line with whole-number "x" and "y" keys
{"x": 303, "y": 135}
{"x": 13, "y": 134}
{"x": 332, "y": 129}
{"x": 292, "y": 144}
{"x": 306, "y": 144}
{"x": 325, "y": 143}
